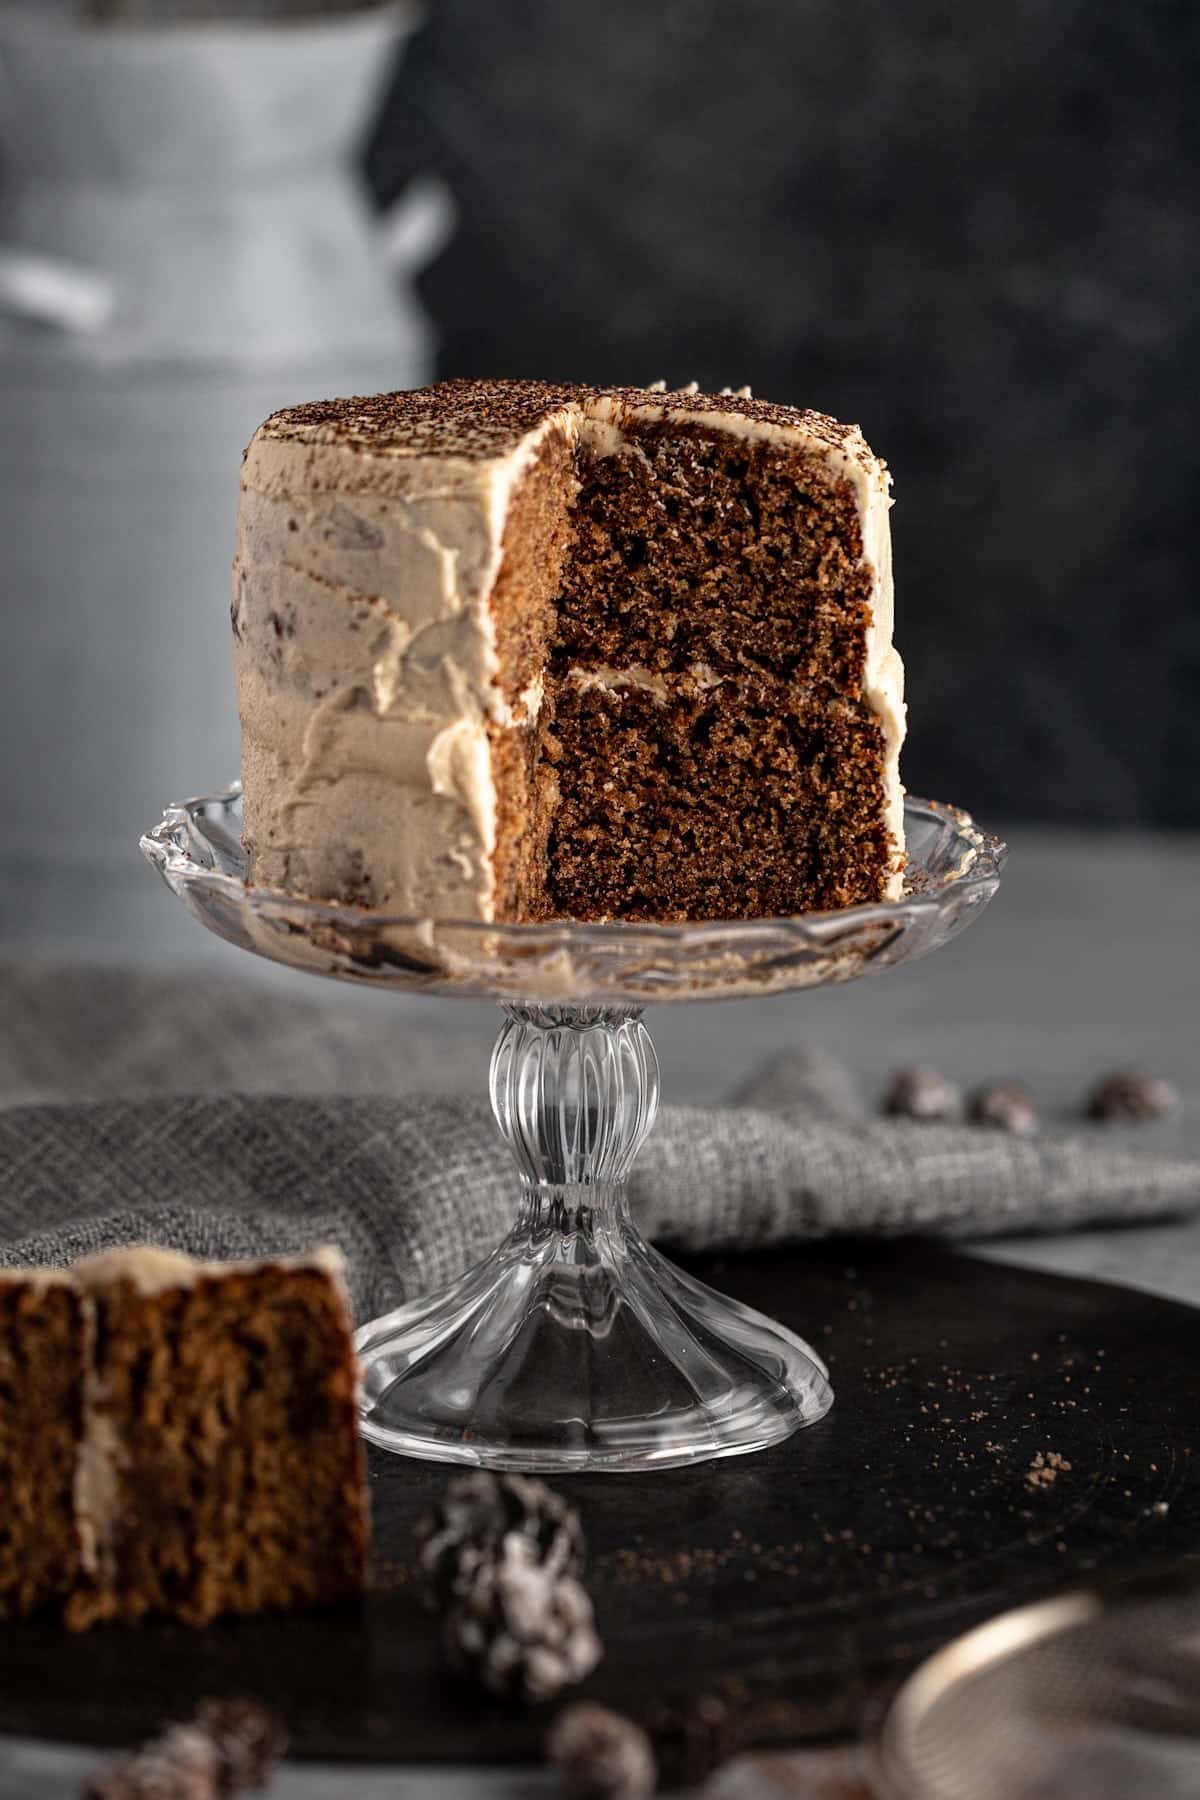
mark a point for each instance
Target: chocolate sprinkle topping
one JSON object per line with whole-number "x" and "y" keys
{"x": 478, "y": 420}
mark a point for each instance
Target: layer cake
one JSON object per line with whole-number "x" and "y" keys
{"x": 508, "y": 650}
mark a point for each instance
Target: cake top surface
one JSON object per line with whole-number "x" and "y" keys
{"x": 480, "y": 420}
{"x": 34, "y": 1277}
{"x": 153, "y": 1270}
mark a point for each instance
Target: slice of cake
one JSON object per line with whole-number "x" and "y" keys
{"x": 512, "y": 651}
{"x": 45, "y": 1335}
{"x": 178, "y": 1437}
{"x": 221, "y": 1469}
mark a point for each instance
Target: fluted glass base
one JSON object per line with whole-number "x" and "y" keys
{"x": 574, "y": 1345}
{"x": 577, "y": 1346}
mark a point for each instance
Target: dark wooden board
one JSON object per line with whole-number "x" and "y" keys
{"x": 802, "y": 1579}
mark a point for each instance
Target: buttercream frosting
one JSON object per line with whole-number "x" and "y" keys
{"x": 153, "y": 1270}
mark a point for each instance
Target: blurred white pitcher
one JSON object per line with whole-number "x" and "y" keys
{"x": 185, "y": 246}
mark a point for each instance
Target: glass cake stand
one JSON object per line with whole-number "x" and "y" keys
{"x": 573, "y": 1344}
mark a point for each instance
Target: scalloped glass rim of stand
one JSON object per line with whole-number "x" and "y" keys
{"x": 954, "y": 870}
{"x": 574, "y": 1345}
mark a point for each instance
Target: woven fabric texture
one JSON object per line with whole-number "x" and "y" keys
{"x": 234, "y": 1122}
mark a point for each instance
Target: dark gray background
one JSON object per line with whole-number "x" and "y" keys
{"x": 971, "y": 228}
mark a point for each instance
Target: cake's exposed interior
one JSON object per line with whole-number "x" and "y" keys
{"x": 621, "y": 654}
{"x": 702, "y": 748}
{"x": 229, "y": 1396}
{"x": 178, "y": 1437}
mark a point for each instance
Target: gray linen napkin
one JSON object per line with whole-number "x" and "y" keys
{"x": 230, "y": 1121}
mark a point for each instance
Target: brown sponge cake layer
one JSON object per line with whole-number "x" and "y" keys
{"x": 739, "y": 801}
{"x": 537, "y": 543}
{"x": 692, "y": 547}
{"x": 227, "y": 1402}
{"x": 704, "y": 716}
{"x": 43, "y": 1354}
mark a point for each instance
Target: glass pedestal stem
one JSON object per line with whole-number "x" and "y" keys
{"x": 575, "y": 1094}
{"x": 575, "y": 1345}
